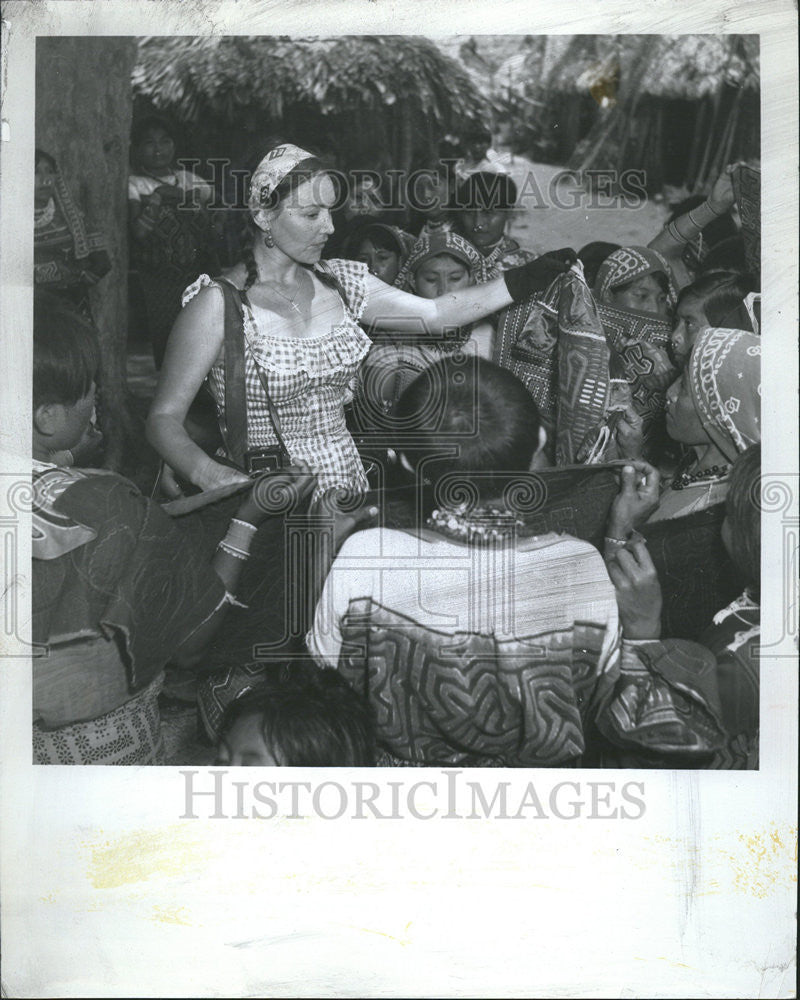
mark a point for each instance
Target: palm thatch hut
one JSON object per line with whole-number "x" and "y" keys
{"x": 369, "y": 101}
{"x": 678, "y": 107}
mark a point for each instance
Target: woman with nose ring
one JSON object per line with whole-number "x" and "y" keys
{"x": 303, "y": 341}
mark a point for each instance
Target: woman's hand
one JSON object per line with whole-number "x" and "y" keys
{"x": 210, "y": 475}
{"x": 630, "y": 432}
{"x": 721, "y": 198}
{"x": 274, "y": 493}
{"x": 638, "y": 592}
{"x": 637, "y": 499}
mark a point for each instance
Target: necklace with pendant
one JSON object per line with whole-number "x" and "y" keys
{"x": 291, "y": 302}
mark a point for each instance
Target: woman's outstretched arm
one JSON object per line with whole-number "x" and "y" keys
{"x": 193, "y": 346}
{"x": 390, "y": 308}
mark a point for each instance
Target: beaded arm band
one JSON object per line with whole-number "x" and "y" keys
{"x": 678, "y": 236}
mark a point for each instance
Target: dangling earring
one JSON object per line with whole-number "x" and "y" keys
{"x": 268, "y": 240}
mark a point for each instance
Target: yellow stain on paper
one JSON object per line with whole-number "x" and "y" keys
{"x": 769, "y": 861}
{"x": 172, "y": 915}
{"x": 142, "y": 854}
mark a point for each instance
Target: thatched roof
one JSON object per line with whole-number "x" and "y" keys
{"x": 687, "y": 67}
{"x": 195, "y": 77}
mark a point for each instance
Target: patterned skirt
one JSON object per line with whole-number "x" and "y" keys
{"x": 131, "y": 734}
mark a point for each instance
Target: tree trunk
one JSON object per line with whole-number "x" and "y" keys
{"x": 83, "y": 119}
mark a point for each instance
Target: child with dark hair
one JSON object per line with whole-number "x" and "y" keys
{"x": 481, "y": 208}
{"x": 456, "y": 628}
{"x": 717, "y": 299}
{"x": 170, "y": 227}
{"x": 119, "y": 589}
{"x": 298, "y": 716}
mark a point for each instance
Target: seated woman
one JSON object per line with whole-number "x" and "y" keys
{"x": 118, "y": 588}
{"x": 724, "y": 664}
{"x": 472, "y": 643}
{"x": 67, "y": 258}
{"x": 438, "y": 264}
{"x": 715, "y": 409}
{"x": 635, "y": 298}
{"x": 718, "y": 299}
{"x": 481, "y": 208}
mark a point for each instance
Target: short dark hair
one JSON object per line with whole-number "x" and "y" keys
{"x": 743, "y": 507}
{"x": 308, "y": 716}
{"x": 481, "y": 410}
{"x": 485, "y": 190}
{"x": 728, "y": 254}
{"x": 40, "y": 156}
{"x": 592, "y": 256}
{"x": 144, "y": 125}
{"x": 66, "y": 355}
{"x": 722, "y": 295}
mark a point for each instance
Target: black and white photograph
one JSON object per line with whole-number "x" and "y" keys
{"x": 385, "y": 409}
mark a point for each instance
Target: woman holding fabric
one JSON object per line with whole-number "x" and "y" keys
{"x": 715, "y": 409}
{"x": 303, "y": 341}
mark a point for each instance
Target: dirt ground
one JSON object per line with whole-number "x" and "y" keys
{"x": 543, "y": 220}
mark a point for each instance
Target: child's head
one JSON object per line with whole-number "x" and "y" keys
{"x": 479, "y": 412}
{"x": 482, "y": 206}
{"x": 299, "y": 716}
{"x": 152, "y": 145}
{"x": 66, "y": 357}
{"x": 716, "y": 299}
{"x": 382, "y": 249}
{"x": 45, "y": 172}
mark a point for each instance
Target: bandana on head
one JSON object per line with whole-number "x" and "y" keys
{"x": 431, "y": 245}
{"x": 271, "y": 170}
{"x": 725, "y": 382}
{"x": 627, "y": 264}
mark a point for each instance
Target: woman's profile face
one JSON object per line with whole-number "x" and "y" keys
{"x": 644, "y": 294}
{"x": 690, "y": 319}
{"x": 682, "y": 420}
{"x": 439, "y": 275}
{"x": 156, "y": 150}
{"x": 301, "y": 224}
{"x": 383, "y": 263}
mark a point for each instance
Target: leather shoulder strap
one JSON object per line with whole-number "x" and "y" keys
{"x": 235, "y": 432}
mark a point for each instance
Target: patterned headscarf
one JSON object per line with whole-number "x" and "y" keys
{"x": 439, "y": 242}
{"x": 627, "y": 264}
{"x": 271, "y": 170}
{"x": 725, "y": 382}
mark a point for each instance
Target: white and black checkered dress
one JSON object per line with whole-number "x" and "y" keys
{"x": 310, "y": 380}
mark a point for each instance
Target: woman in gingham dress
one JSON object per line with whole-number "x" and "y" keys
{"x": 302, "y": 330}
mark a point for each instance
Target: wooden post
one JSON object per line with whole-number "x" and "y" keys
{"x": 83, "y": 119}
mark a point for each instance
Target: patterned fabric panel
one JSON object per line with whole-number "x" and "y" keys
{"x": 667, "y": 700}
{"x": 131, "y": 734}
{"x": 447, "y": 699}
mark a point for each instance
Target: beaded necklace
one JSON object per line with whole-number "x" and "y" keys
{"x": 685, "y": 479}
{"x": 481, "y": 524}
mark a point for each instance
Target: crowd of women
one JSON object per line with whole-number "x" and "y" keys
{"x": 466, "y": 505}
